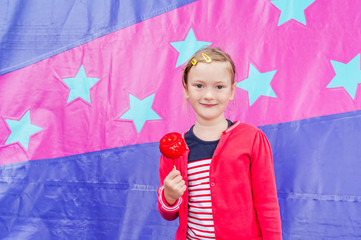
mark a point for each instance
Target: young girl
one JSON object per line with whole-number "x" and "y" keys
{"x": 223, "y": 186}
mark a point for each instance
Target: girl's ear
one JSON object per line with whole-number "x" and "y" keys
{"x": 185, "y": 92}
{"x": 233, "y": 89}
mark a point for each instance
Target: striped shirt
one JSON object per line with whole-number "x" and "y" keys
{"x": 200, "y": 218}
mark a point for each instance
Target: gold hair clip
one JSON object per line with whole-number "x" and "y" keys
{"x": 206, "y": 57}
{"x": 194, "y": 62}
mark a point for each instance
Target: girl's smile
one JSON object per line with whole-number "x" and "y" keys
{"x": 208, "y": 105}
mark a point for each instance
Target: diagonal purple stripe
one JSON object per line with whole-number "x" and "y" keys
{"x": 31, "y": 31}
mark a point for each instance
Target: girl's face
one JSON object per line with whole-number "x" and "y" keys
{"x": 209, "y": 89}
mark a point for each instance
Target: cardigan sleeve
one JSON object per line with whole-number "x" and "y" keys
{"x": 166, "y": 211}
{"x": 264, "y": 188}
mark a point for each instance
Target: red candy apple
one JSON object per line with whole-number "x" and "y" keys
{"x": 172, "y": 145}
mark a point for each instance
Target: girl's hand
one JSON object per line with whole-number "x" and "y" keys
{"x": 174, "y": 186}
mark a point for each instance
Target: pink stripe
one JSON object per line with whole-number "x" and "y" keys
{"x": 202, "y": 219}
{"x": 197, "y": 179}
{"x": 203, "y": 183}
{"x": 204, "y": 195}
{"x": 198, "y": 190}
{"x": 200, "y": 230}
{"x": 195, "y": 173}
{"x": 197, "y": 166}
{"x": 193, "y": 206}
{"x": 305, "y": 95}
{"x": 205, "y": 213}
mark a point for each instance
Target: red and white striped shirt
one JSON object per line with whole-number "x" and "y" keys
{"x": 200, "y": 218}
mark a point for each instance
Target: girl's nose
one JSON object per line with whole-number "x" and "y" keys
{"x": 209, "y": 94}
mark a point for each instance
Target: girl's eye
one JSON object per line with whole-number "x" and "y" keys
{"x": 219, "y": 87}
{"x": 199, "y": 85}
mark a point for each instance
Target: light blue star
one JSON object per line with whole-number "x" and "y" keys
{"x": 292, "y": 9}
{"x": 140, "y": 111}
{"x": 21, "y": 130}
{"x": 257, "y": 84}
{"x": 347, "y": 75}
{"x": 188, "y": 47}
{"x": 80, "y": 85}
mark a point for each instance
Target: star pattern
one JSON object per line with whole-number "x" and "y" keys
{"x": 21, "y": 130}
{"x": 347, "y": 76}
{"x": 292, "y": 9}
{"x": 188, "y": 47}
{"x": 241, "y": 36}
{"x": 80, "y": 85}
{"x": 257, "y": 84}
{"x": 140, "y": 111}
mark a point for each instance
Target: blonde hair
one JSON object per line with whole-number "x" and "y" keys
{"x": 214, "y": 53}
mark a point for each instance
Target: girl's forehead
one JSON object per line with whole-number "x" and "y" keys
{"x": 213, "y": 69}
{"x": 213, "y": 64}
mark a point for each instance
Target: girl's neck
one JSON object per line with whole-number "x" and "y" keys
{"x": 210, "y": 131}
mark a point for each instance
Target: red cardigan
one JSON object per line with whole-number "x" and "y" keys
{"x": 243, "y": 189}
